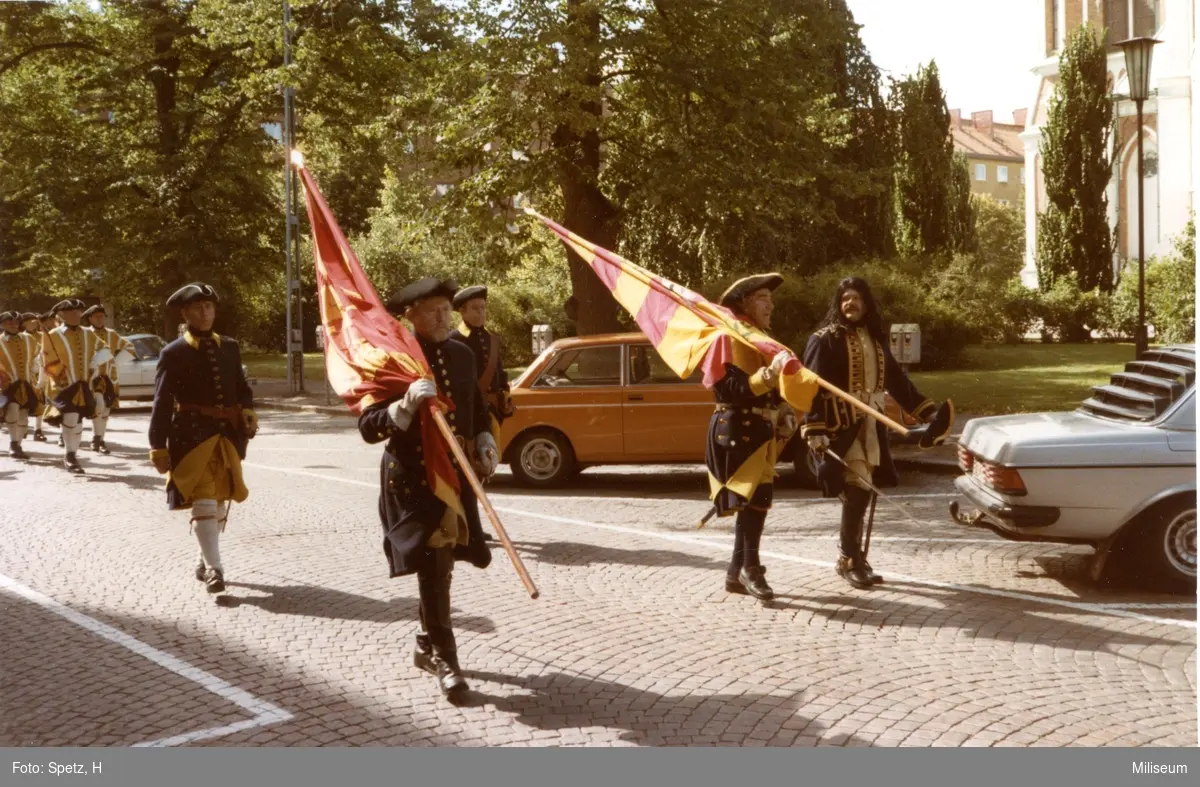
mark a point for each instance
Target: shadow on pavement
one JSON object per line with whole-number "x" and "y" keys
{"x": 319, "y": 602}
{"x": 556, "y": 701}
{"x": 566, "y": 553}
{"x": 961, "y": 611}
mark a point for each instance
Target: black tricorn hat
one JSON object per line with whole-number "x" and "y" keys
{"x": 191, "y": 293}
{"x": 6, "y": 316}
{"x": 469, "y": 294}
{"x": 737, "y": 291}
{"x": 97, "y": 309}
{"x": 67, "y": 305}
{"x": 419, "y": 290}
{"x": 27, "y": 316}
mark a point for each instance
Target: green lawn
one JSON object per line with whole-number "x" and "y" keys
{"x": 997, "y": 379}
{"x": 1025, "y": 378}
{"x": 274, "y": 365}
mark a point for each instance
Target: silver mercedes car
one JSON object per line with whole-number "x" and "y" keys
{"x": 1118, "y": 473}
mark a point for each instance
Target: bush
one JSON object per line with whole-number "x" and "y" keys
{"x": 1067, "y": 314}
{"x": 1172, "y": 297}
{"x": 801, "y": 304}
{"x": 1017, "y": 312}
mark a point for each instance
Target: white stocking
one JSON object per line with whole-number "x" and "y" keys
{"x": 208, "y": 531}
{"x": 72, "y": 431}
{"x": 100, "y": 426}
{"x": 17, "y": 421}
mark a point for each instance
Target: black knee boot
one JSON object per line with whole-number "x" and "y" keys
{"x": 750, "y": 522}
{"x": 733, "y": 582}
{"x": 851, "y": 566}
{"x": 437, "y": 652}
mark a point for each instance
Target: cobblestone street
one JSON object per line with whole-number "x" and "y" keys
{"x": 108, "y": 639}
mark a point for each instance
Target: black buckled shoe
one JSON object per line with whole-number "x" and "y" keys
{"x": 17, "y": 451}
{"x": 214, "y": 580}
{"x": 449, "y": 676}
{"x": 451, "y": 680}
{"x": 871, "y": 575}
{"x": 99, "y": 446}
{"x": 754, "y": 580}
{"x": 72, "y": 464}
{"x": 200, "y": 570}
{"x": 734, "y": 585}
{"x": 853, "y": 572}
{"x": 39, "y": 436}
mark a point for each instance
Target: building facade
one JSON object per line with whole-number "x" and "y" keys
{"x": 1170, "y": 121}
{"x": 994, "y": 152}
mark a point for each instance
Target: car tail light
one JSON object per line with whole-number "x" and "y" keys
{"x": 966, "y": 459}
{"x": 1005, "y": 480}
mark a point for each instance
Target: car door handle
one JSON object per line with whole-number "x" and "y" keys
{"x": 635, "y": 397}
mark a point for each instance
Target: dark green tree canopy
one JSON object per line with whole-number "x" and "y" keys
{"x": 1073, "y": 233}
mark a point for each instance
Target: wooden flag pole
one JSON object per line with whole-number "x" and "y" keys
{"x": 853, "y": 402}
{"x": 469, "y": 472}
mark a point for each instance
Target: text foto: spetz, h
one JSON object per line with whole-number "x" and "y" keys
{"x": 56, "y": 768}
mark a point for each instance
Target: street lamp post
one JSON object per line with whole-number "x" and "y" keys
{"x": 1137, "y": 71}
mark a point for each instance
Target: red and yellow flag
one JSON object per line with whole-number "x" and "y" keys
{"x": 681, "y": 324}
{"x": 370, "y": 356}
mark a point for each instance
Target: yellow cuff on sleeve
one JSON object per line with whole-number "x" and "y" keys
{"x": 758, "y": 385}
{"x": 158, "y": 453}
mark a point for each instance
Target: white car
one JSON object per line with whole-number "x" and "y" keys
{"x": 1119, "y": 473}
{"x": 136, "y": 372}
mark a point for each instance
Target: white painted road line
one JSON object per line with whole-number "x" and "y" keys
{"x": 263, "y": 712}
{"x": 709, "y": 543}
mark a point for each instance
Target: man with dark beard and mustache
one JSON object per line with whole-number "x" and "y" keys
{"x": 851, "y": 351}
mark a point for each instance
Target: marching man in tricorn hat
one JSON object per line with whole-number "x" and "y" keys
{"x": 38, "y": 327}
{"x": 201, "y": 422}
{"x": 422, "y": 535}
{"x": 18, "y": 352}
{"x": 105, "y": 384}
{"x": 750, "y": 423}
{"x": 71, "y": 357}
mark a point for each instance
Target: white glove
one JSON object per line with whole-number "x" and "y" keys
{"x": 403, "y": 409}
{"x": 775, "y": 369}
{"x": 487, "y": 453}
{"x": 818, "y": 443}
{"x": 787, "y": 424}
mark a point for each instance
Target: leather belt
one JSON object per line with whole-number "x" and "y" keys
{"x": 763, "y": 412}
{"x": 223, "y": 413}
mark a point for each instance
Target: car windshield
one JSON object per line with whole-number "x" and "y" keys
{"x": 1147, "y": 387}
{"x": 584, "y": 367}
{"x": 147, "y": 347}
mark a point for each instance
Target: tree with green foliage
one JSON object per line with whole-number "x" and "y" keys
{"x": 699, "y": 137}
{"x": 1073, "y": 233}
{"x": 132, "y": 144}
{"x": 932, "y": 187}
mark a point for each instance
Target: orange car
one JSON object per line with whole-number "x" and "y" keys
{"x": 610, "y": 399}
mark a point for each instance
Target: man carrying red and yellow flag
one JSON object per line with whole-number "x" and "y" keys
{"x": 758, "y": 384}
{"x": 391, "y": 379}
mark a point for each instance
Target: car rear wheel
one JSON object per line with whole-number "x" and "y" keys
{"x": 543, "y": 459}
{"x": 1168, "y": 542}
